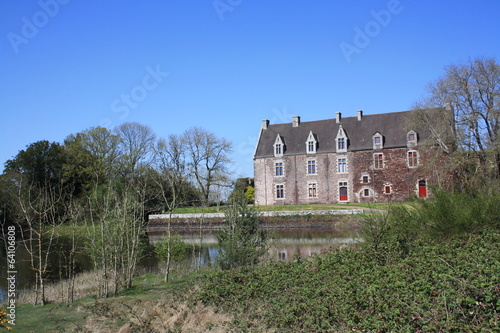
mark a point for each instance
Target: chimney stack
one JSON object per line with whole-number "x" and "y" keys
{"x": 360, "y": 115}
{"x": 338, "y": 117}
{"x": 295, "y": 121}
{"x": 265, "y": 124}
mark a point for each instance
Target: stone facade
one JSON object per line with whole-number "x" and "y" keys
{"x": 371, "y": 158}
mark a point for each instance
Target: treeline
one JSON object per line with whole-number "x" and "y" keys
{"x": 108, "y": 181}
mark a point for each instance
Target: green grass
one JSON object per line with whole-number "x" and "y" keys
{"x": 275, "y": 208}
{"x": 62, "y": 317}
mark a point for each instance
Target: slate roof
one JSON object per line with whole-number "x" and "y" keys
{"x": 393, "y": 126}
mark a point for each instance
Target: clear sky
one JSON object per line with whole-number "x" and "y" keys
{"x": 69, "y": 65}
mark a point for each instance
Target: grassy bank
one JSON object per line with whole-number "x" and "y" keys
{"x": 431, "y": 267}
{"x": 429, "y": 287}
{"x": 275, "y": 208}
{"x": 150, "y": 306}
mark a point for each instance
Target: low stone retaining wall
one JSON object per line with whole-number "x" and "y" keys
{"x": 265, "y": 214}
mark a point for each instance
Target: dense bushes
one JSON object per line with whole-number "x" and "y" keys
{"x": 448, "y": 287}
{"x": 432, "y": 268}
{"x": 447, "y": 215}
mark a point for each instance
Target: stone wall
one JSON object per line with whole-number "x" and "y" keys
{"x": 396, "y": 181}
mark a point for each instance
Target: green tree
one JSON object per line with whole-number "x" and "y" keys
{"x": 250, "y": 194}
{"x": 242, "y": 242}
{"x": 242, "y": 186}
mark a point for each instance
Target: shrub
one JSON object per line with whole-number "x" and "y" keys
{"x": 241, "y": 242}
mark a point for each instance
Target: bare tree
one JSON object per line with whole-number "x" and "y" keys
{"x": 42, "y": 198}
{"x": 471, "y": 91}
{"x": 40, "y": 215}
{"x": 136, "y": 144}
{"x": 208, "y": 159}
{"x": 172, "y": 172}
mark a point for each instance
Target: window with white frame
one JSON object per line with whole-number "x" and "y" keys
{"x": 365, "y": 179}
{"x": 342, "y": 165}
{"x": 280, "y": 191}
{"x": 311, "y": 147}
{"x": 278, "y": 149}
{"x": 378, "y": 161}
{"x": 366, "y": 192}
{"x": 412, "y": 159}
{"x": 378, "y": 141}
{"x": 279, "y": 146}
{"x": 311, "y": 143}
{"x": 279, "y": 171}
{"x": 311, "y": 167}
{"x": 340, "y": 144}
{"x": 341, "y": 140}
{"x": 387, "y": 189}
{"x": 312, "y": 190}
{"x": 411, "y": 138}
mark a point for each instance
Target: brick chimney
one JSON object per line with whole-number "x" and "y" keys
{"x": 295, "y": 121}
{"x": 265, "y": 124}
{"x": 360, "y": 115}
{"x": 338, "y": 117}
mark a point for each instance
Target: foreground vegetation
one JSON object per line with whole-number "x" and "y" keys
{"x": 432, "y": 268}
{"x": 149, "y": 306}
{"x": 452, "y": 287}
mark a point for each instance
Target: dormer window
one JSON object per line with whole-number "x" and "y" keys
{"x": 378, "y": 141}
{"x": 279, "y": 146}
{"x": 340, "y": 144}
{"x": 341, "y": 140}
{"x": 411, "y": 139}
{"x": 311, "y": 143}
{"x": 279, "y": 149}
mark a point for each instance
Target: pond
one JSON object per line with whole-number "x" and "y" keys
{"x": 284, "y": 245}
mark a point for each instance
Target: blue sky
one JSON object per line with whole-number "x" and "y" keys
{"x": 69, "y": 65}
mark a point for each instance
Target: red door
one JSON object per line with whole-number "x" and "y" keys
{"x": 422, "y": 189}
{"x": 343, "y": 191}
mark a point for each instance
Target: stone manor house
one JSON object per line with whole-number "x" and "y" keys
{"x": 365, "y": 158}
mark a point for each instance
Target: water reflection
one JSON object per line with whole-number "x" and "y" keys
{"x": 284, "y": 245}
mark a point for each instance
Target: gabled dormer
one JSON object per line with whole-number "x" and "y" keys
{"x": 311, "y": 143}
{"x": 411, "y": 138}
{"x": 341, "y": 140}
{"x": 378, "y": 141}
{"x": 279, "y": 146}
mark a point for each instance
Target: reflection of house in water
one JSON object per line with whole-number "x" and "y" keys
{"x": 284, "y": 244}
{"x": 287, "y": 252}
